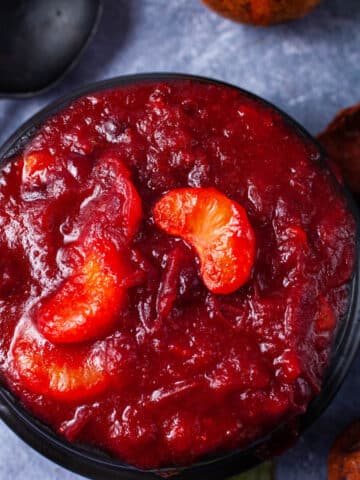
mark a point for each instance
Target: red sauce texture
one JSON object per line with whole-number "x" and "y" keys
{"x": 108, "y": 331}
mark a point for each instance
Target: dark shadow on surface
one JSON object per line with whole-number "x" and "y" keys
{"x": 341, "y": 8}
{"x": 329, "y": 22}
{"x": 12, "y": 114}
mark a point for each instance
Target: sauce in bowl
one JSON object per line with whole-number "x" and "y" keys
{"x": 109, "y": 332}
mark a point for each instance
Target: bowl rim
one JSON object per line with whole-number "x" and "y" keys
{"x": 75, "y": 458}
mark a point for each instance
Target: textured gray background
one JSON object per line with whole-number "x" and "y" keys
{"x": 310, "y": 68}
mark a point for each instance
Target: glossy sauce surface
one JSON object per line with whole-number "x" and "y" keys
{"x": 169, "y": 371}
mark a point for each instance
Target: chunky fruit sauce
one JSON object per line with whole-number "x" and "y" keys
{"x": 114, "y": 329}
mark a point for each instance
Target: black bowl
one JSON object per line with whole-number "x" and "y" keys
{"x": 98, "y": 465}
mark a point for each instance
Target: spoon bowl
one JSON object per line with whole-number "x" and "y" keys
{"x": 40, "y": 40}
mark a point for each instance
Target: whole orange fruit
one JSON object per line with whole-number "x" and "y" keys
{"x": 262, "y": 12}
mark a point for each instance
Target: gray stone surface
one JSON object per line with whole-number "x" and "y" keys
{"x": 310, "y": 68}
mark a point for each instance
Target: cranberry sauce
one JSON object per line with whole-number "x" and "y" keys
{"x": 107, "y": 330}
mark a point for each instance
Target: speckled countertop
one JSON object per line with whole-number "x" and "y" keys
{"x": 309, "y": 68}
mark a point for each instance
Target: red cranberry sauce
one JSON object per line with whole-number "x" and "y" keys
{"x": 178, "y": 372}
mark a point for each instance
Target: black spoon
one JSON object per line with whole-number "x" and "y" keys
{"x": 40, "y": 40}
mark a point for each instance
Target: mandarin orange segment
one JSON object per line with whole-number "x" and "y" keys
{"x": 62, "y": 373}
{"x": 87, "y": 305}
{"x": 217, "y": 228}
